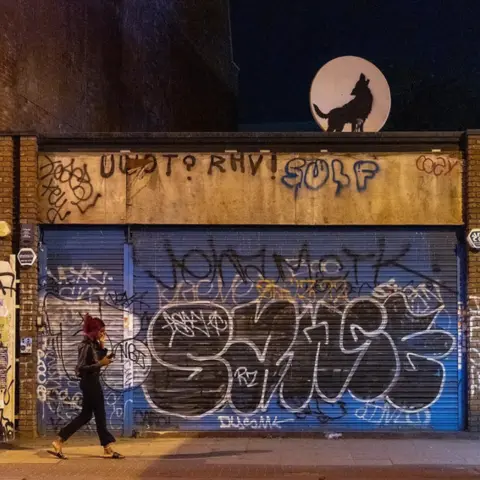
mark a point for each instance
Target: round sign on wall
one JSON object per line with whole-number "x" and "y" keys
{"x": 350, "y": 94}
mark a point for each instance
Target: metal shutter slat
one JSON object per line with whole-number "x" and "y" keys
{"x": 84, "y": 269}
{"x": 207, "y": 335}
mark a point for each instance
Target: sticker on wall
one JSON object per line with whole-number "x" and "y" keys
{"x": 26, "y": 257}
{"x": 26, "y": 345}
{"x": 27, "y": 235}
{"x": 473, "y": 238}
{"x": 5, "y": 229}
{"x": 350, "y": 94}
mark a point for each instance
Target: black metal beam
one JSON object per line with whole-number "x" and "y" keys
{"x": 246, "y": 141}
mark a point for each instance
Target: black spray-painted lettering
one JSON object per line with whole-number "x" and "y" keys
{"x": 298, "y": 357}
{"x": 216, "y": 162}
{"x": 57, "y": 180}
{"x": 127, "y": 165}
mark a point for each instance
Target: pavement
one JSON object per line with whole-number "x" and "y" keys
{"x": 249, "y": 458}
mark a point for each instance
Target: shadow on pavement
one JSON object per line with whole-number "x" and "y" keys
{"x": 170, "y": 456}
{"x": 12, "y": 446}
{"x": 225, "y": 453}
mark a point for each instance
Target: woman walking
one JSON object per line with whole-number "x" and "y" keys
{"x": 92, "y": 356}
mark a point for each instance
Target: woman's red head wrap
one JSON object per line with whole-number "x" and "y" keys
{"x": 92, "y": 326}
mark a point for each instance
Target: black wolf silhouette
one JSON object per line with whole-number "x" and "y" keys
{"x": 354, "y": 112}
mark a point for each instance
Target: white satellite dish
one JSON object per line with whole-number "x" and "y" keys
{"x": 350, "y": 94}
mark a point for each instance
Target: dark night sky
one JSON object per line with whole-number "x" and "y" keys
{"x": 429, "y": 51}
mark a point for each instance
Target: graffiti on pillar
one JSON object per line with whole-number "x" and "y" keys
{"x": 474, "y": 350}
{"x": 7, "y": 349}
{"x": 3, "y": 367}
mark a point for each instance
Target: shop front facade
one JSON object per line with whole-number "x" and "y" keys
{"x": 301, "y": 283}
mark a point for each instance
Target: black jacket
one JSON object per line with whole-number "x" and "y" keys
{"x": 89, "y": 355}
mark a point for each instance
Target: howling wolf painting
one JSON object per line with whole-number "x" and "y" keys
{"x": 354, "y": 112}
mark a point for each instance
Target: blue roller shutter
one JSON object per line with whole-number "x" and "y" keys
{"x": 83, "y": 271}
{"x": 296, "y": 329}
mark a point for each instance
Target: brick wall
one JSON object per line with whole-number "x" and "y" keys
{"x": 6, "y": 193}
{"x": 28, "y": 291}
{"x": 472, "y": 220}
{"x": 64, "y": 65}
{"x": 177, "y": 69}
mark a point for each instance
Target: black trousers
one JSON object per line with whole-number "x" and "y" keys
{"x": 93, "y": 404}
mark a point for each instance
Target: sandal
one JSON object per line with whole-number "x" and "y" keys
{"x": 59, "y": 455}
{"x": 56, "y": 452}
{"x": 114, "y": 455}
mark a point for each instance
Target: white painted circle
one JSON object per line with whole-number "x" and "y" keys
{"x": 333, "y": 84}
